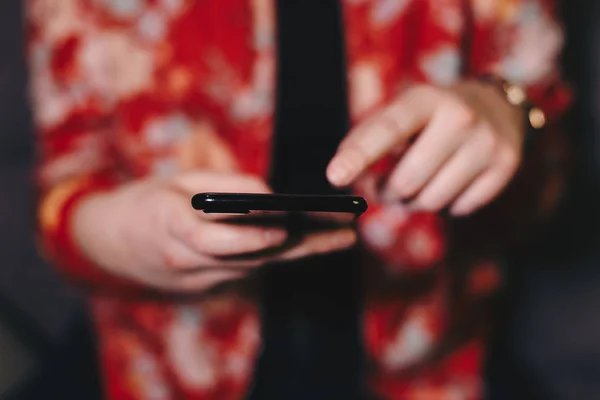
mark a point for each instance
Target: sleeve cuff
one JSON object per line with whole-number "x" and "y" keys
{"x": 55, "y": 224}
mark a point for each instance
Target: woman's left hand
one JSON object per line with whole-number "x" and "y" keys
{"x": 468, "y": 146}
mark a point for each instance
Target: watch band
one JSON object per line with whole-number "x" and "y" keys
{"x": 517, "y": 96}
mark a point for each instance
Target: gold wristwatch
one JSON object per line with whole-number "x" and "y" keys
{"x": 517, "y": 96}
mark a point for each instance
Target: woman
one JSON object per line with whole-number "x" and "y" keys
{"x": 142, "y": 103}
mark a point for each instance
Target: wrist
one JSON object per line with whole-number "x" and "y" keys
{"x": 75, "y": 225}
{"x": 95, "y": 247}
{"x": 516, "y": 96}
{"x": 87, "y": 224}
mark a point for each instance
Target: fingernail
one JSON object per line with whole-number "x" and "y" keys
{"x": 337, "y": 174}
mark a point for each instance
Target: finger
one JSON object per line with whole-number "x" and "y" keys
{"x": 223, "y": 217}
{"x": 281, "y": 219}
{"x": 320, "y": 243}
{"x": 370, "y": 141}
{"x": 219, "y": 240}
{"x": 449, "y": 128}
{"x": 486, "y": 187}
{"x": 253, "y": 217}
{"x": 458, "y": 173}
{"x": 179, "y": 257}
{"x": 332, "y": 216}
{"x": 205, "y": 280}
{"x": 201, "y": 182}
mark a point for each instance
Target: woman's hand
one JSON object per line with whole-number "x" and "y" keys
{"x": 467, "y": 148}
{"x": 148, "y": 232}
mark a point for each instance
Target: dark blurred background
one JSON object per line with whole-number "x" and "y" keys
{"x": 549, "y": 349}
{"x": 46, "y": 349}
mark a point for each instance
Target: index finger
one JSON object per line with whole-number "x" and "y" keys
{"x": 302, "y": 220}
{"x": 332, "y": 216}
{"x": 373, "y": 139}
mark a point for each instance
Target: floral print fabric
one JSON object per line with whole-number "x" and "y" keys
{"x": 124, "y": 89}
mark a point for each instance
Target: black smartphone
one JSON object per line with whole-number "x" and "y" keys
{"x": 246, "y": 203}
{"x": 298, "y": 213}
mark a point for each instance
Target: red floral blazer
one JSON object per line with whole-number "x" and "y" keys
{"x": 124, "y": 89}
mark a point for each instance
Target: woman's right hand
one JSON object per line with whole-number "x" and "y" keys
{"x": 148, "y": 232}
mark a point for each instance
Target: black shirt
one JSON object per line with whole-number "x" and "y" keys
{"x": 311, "y": 318}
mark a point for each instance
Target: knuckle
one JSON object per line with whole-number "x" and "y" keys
{"x": 487, "y": 141}
{"x": 387, "y": 124}
{"x": 461, "y": 112}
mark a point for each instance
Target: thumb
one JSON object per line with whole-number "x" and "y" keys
{"x": 195, "y": 182}
{"x": 192, "y": 183}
